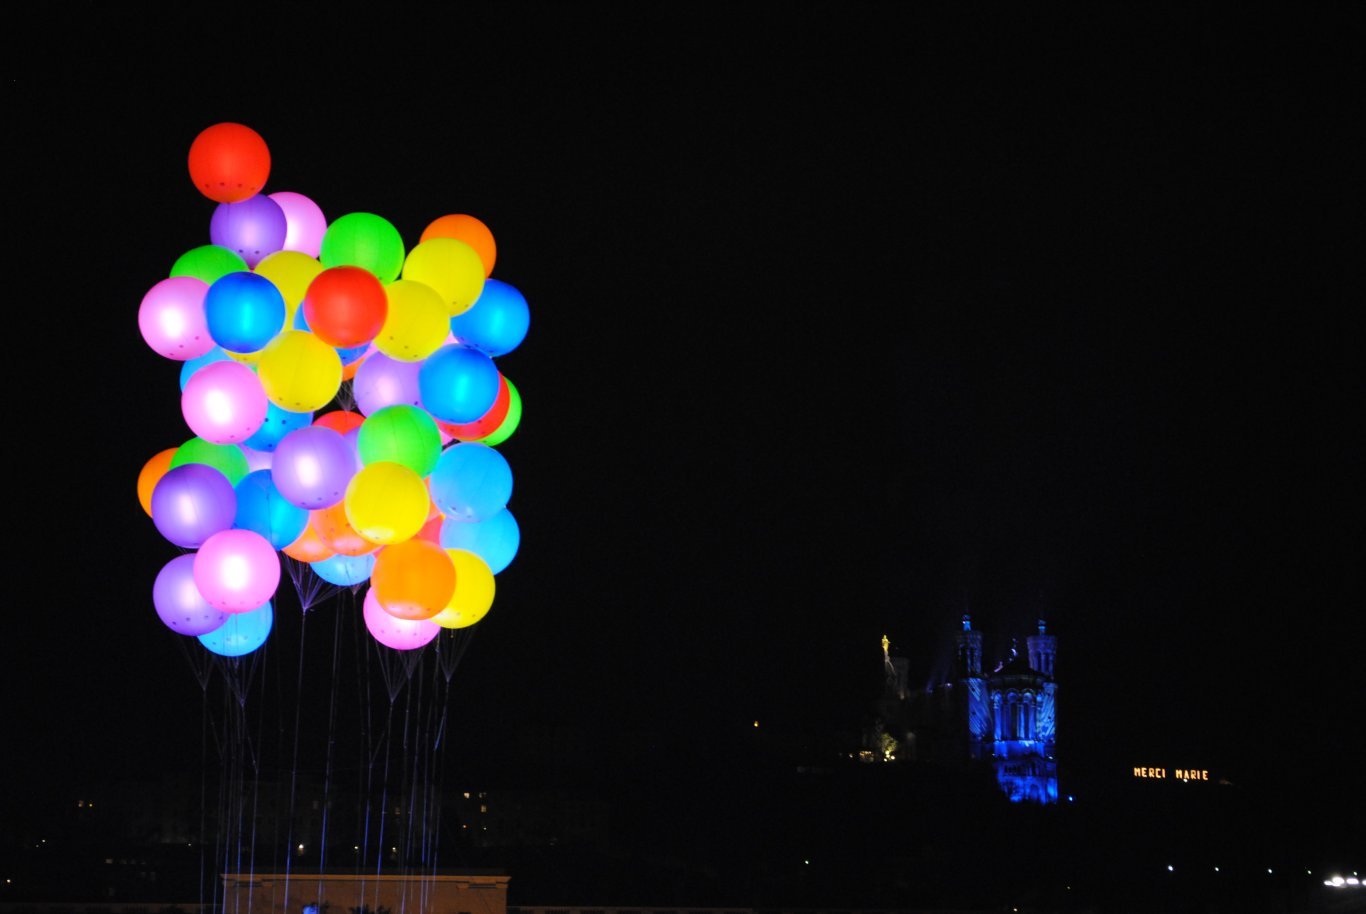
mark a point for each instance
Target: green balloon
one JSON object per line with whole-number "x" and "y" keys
{"x": 228, "y": 459}
{"x": 510, "y": 421}
{"x": 208, "y": 262}
{"x": 364, "y": 240}
{"x": 400, "y": 434}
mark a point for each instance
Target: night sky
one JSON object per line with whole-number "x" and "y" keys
{"x": 843, "y": 323}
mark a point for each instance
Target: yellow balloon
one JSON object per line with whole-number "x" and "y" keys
{"x": 246, "y": 358}
{"x": 417, "y": 323}
{"x": 473, "y": 591}
{"x": 299, "y": 372}
{"x": 291, "y": 271}
{"x": 449, "y": 266}
{"x": 386, "y": 502}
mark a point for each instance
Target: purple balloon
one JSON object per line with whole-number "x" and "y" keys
{"x": 179, "y": 603}
{"x": 254, "y": 228}
{"x": 312, "y": 467}
{"x": 191, "y": 503}
{"x": 306, "y": 222}
{"x": 381, "y": 381}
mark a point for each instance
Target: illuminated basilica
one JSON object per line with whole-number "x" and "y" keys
{"x": 1003, "y": 718}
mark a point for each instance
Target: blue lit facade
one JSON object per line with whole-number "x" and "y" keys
{"x": 1005, "y": 718}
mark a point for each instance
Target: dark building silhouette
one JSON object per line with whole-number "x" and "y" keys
{"x": 1005, "y": 718}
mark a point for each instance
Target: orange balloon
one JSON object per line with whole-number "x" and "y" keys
{"x": 336, "y": 532}
{"x": 151, "y": 474}
{"x": 308, "y": 548}
{"x": 414, "y": 579}
{"x": 229, "y": 162}
{"x": 469, "y": 230}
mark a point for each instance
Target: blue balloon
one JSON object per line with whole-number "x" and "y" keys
{"x": 494, "y": 540}
{"x": 496, "y": 323}
{"x": 458, "y": 384}
{"x": 470, "y": 482}
{"x": 244, "y": 311}
{"x": 261, "y": 508}
{"x": 345, "y": 570}
{"x": 278, "y": 423}
{"x": 242, "y": 633}
{"x": 190, "y": 366}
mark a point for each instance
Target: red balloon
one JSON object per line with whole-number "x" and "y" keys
{"x": 345, "y": 306}
{"x": 340, "y": 421}
{"x": 229, "y": 162}
{"x": 486, "y": 424}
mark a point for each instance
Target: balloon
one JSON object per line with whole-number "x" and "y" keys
{"x": 495, "y": 540}
{"x": 192, "y": 503}
{"x": 299, "y": 372}
{"x": 496, "y": 323}
{"x": 386, "y": 502}
{"x": 417, "y": 322}
{"x": 449, "y": 266}
{"x": 190, "y": 366}
{"x": 400, "y": 434}
{"x": 363, "y": 240}
{"x": 486, "y": 424}
{"x": 340, "y": 420}
{"x": 229, "y": 162}
{"x": 305, "y": 220}
{"x": 345, "y": 306}
{"x": 151, "y": 474}
{"x": 473, "y": 594}
{"x": 413, "y": 579}
{"x": 278, "y": 423}
{"x": 345, "y": 570}
{"x": 291, "y": 272}
{"x": 335, "y": 532}
{"x": 308, "y": 547}
{"x": 471, "y": 482}
{"x": 244, "y": 312}
{"x": 458, "y": 384}
{"x": 179, "y": 603}
{"x": 254, "y": 227}
{"x": 237, "y": 570}
{"x": 171, "y": 318}
{"x": 228, "y": 459}
{"x": 468, "y": 229}
{"x": 208, "y": 262}
{"x": 312, "y": 467}
{"x": 242, "y": 633}
{"x": 224, "y": 403}
{"x": 382, "y": 381}
{"x": 256, "y": 460}
{"x": 262, "y": 509}
{"x": 513, "y": 419}
{"x": 390, "y": 631}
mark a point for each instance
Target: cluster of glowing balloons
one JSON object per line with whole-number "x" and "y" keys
{"x": 343, "y": 407}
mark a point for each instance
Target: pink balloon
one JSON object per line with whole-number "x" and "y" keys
{"x": 237, "y": 570}
{"x": 224, "y": 403}
{"x": 391, "y": 631}
{"x": 305, "y": 222}
{"x": 171, "y": 318}
{"x": 179, "y": 604}
{"x": 381, "y": 381}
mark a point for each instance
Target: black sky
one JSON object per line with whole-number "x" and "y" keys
{"x": 844, "y": 322}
